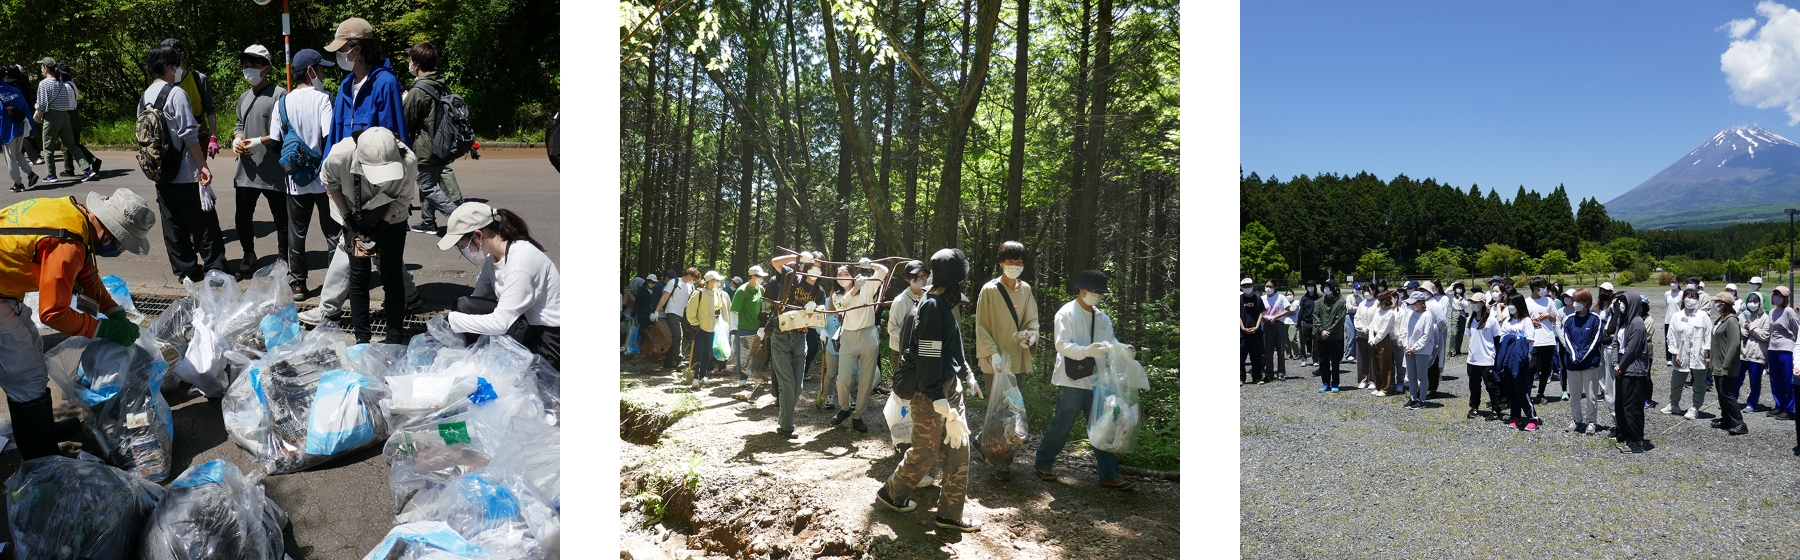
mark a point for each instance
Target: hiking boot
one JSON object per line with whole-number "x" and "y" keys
{"x": 247, "y": 266}
{"x": 1119, "y": 484}
{"x": 961, "y": 526}
{"x": 839, "y": 418}
{"x": 299, "y": 289}
{"x": 881, "y": 496}
{"x": 859, "y": 426}
{"x": 785, "y": 433}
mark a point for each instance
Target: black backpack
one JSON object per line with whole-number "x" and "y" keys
{"x": 906, "y": 375}
{"x": 451, "y": 134}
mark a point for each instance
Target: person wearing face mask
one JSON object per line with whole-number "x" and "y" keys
{"x": 1632, "y": 367}
{"x": 55, "y": 107}
{"x": 1352, "y": 292}
{"x": 371, "y": 182}
{"x": 1603, "y": 307}
{"x": 1329, "y": 311}
{"x": 797, "y": 287}
{"x": 370, "y": 95}
{"x": 1755, "y": 288}
{"x": 1754, "y": 355}
{"x": 1582, "y": 344}
{"x": 1512, "y": 362}
{"x": 1275, "y": 308}
{"x": 519, "y": 291}
{"x": 1083, "y": 332}
{"x": 421, "y": 102}
{"x": 190, "y": 225}
{"x": 746, "y": 305}
{"x": 199, "y": 95}
{"x": 1671, "y": 307}
{"x": 1722, "y": 361}
{"x": 1483, "y": 326}
{"x": 1459, "y": 319}
{"x": 1290, "y": 328}
{"x": 672, "y": 308}
{"x": 1438, "y": 304}
{"x": 1385, "y": 329}
{"x": 15, "y": 130}
{"x": 1250, "y": 336}
{"x": 1305, "y": 330}
{"x": 1690, "y": 339}
{"x": 914, "y": 274}
{"x": 1544, "y": 317}
{"x": 1364, "y": 317}
{"x": 259, "y": 172}
{"x": 1419, "y": 340}
{"x": 1784, "y": 327}
{"x": 1006, "y": 316}
{"x": 705, "y": 309}
{"x": 48, "y": 246}
{"x": 306, "y": 110}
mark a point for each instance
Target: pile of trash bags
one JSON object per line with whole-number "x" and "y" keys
{"x": 119, "y": 389}
{"x": 1115, "y": 416}
{"x": 310, "y": 400}
{"x": 1007, "y": 427}
{"x": 212, "y": 336}
{"x": 214, "y": 511}
{"x": 78, "y": 508}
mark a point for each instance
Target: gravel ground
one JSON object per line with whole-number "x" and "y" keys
{"x": 1428, "y": 483}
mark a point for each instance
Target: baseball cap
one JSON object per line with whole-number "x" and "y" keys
{"x": 255, "y": 51}
{"x": 468, "y": 217}
{"x": 47, "y": 61}
{"x": 1755, "y": 279}
{"x": 307, "y": 58}
{"x": 1606, "y": 286}
{"x": 378, "y": 157}
{"x": 353, "y": 28}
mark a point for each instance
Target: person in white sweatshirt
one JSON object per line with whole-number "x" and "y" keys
{"x": 1382, "y": 330}
{"x": 1481, "y": 330}
{"x": 1363, "y": 316}
{"x": 1690, "y": 337}
{"x": 519, "y": 290}
{"x": 1420, "y": 341}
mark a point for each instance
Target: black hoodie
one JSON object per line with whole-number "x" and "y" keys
{"x": 1633, "y": 358}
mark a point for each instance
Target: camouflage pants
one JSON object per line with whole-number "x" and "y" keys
{"x": 928, "y": 447}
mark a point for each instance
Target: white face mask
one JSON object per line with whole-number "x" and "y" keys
{"x": 1509, "y": 311}
{"x": 179, "y": 74}
{"x": 1540, "y": 292}
{"x": 253, "y": 76}
{"x": 1755, "y": 287}
{"x": 1268, "y": 291}
{"x": 318, "y": 81}
{"x": 918, "y": 283}
{"x": 815, "y": 271}
{"x": 1577, "y": 306}
{"x": 1326, "y": 291}
{"x": 844, "y": 283}
{"x": 1092, "y": 299}
{"x": 343, "y": 61}
{"x": 1691, "y": 304}
{"x": 1718, "y": 307}
{"x": 1012, "y": 272}
{"x": 1249, "y": 291}
{"x": 1459, "y": 291}
{"x": 1755, "y": 306}
{"x": 471, "y": 251}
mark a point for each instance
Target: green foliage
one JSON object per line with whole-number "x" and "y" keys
{"x": 1594, "y": 262}
{"x": 1706, "y": 269}
{"x": 1555, "y": 261}
{"x": 1498, "y": 258}
{"x": 1442, "y": 262}
{"x": 1628, "y": 277}
{"x": 1375, "y": 264}
{"x": 1737, "y": 271}
{"x": 1259, "y": 256}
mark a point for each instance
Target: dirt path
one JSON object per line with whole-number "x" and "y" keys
{"x": 741, "y": 490}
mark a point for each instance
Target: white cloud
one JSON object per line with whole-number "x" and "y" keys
{"x": 1738, "y": 28}
{"x": 1764, "y": 71}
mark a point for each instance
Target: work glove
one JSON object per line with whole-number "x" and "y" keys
{"x": 812, "y": 306}
{"x": 207, "y": 200}
{"x": 657, "y": 316}
{"x": 1098, "y": 349}
{"x": 956, "y": 430}
{"x": 212, "y": 146}
{"x": 862, "y": 262}
{"x": 254, "y": 148}
{"x": 118, "y": 314}
{"x": 125, "y": 333}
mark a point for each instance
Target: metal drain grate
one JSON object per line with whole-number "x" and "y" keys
{"x": 153, "y": 306}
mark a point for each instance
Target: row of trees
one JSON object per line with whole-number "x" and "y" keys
{"x": 1367, "y": 227}
{"x": 502, "y": 56}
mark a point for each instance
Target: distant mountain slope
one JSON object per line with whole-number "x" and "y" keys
{"x": 1741, "y": 174}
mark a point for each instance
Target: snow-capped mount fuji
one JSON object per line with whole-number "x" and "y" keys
{"x": 1741, "y": 174}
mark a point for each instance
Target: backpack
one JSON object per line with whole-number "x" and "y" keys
{"x": 157, "y": 154}
{"x": 451, "y": 134}
{"x": 298, "y": 160}
{"x": 906, "y": 378}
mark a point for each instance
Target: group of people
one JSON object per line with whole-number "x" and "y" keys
{"x": 367, "y": 171}
{"x": 38, "y": 121}
{"x": 1596, "y": 343}
{"x": 929, "y": 363}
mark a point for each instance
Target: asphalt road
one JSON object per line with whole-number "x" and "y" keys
{"x": 342, "y": 509}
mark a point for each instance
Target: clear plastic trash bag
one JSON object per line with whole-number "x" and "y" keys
{"x": 119, "y": 390}
{"x": 62, "y": 508}
{"x": 534, "y": 450}
{"x": 213, "y": 511}
{"x": 494, "y": 509}
{"x": 424, "y": 540}
{"x": 195, "y": 354}
{"x": 1115, "y": 415}
{"x": 721, "y": 340}
{"x": 899, "y": 419}
{"x": 307, "y": 402}
{"x": 121, "y": 294}
{"x": 1006, "y": 426}
{"x": 488, "y": 393}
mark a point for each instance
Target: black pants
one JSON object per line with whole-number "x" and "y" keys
{"x": 1309, "y": 343}
{"x": 1330, "y": 354}
{"x": 1628, "y": 407}
{"x": 1730, "y": 412}
{"x": 1251, "y": 345}
{"x": 299, "y": 216}
{"x": 190, "y": 235}
{"x": 246, "y": 218}
{"x": 390, "y": 241}
{"x": 1542, "y": 360}
{"x": 1434, "y": 372}
{"x": 1483, "y": 376}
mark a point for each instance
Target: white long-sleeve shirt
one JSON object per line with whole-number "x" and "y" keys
{"x": 1072, "y": 327}
{"x": 1671, "y": 306}
{"x": 1384, "y": 325}
{"x": 859, "y": 319}
{"x": 1365, "y": 318}
{"x": 526, "y": 283}
{"x": 1544, "y": 335}
{"x": 1690, "y": 336}
{"x": 1421, "y": 333}
{"x": 896, "y": 312}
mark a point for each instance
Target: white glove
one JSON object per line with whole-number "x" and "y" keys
{"x": 657, "y": 316}
{"x": 862, "y": 262}
{"x": 812, "y": 306}
{"x": 255, "y": 147}
{"x": 956, "y": 431}
{"x": 1025, "y": 343}
{"x": 1098, "y": 349}
{"x": 206, "y": 198}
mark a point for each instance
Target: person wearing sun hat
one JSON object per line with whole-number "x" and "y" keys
{"x": 47, "y": 247}
{"x": 369, "y": 179}
{"x": 519, "y": 292}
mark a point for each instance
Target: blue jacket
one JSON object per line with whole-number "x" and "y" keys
{"x": 1581, "y": 339}
{"x": 11, "y": 97}
{"x": 379, "y": 105}
{"x": 1512, "y": 356}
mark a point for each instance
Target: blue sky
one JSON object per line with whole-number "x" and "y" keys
{"x": 1597, "y": 96}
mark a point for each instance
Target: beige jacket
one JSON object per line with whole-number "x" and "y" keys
{"x": 994, "y": 326}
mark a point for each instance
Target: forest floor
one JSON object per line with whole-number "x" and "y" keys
{"x": 704, "y": 475}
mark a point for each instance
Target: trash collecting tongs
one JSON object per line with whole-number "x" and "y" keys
{"x": 880, "y": 292}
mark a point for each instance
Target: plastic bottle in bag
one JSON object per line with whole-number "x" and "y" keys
{"x": 120, "y": 388}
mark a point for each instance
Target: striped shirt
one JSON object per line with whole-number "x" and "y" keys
{"x": 52, "y": 95}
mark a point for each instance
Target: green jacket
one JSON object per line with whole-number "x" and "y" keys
{"x": 1727, "y": 342}
{"x": 747, "y": 304}
{"x": 1328, "y": 316}
{"x": 416, "y": 107}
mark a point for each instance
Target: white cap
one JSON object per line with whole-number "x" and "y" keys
{"x": 468, "y": 217}
{"x": 757, "y": 270}
{"x": 1732, "y": 287}
{"x": 1755, "y": 279}
{"x": 1418, "y": 296}
{"x": 1245, "y": 282}
{"x": 714, "y": 275}
{"x": 1606, "y": 286}
{"x": 651, "y": 278}
{"x": 378, "y": 156}
{"x": 260, "y": 52}
{"x": 806, "y": 257}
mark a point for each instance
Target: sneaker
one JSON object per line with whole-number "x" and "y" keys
{"x": 1472, "y": 414}
{"x": 1593, "y": 429}
{"x": 1119, "y": 484}
{"x": 1324, "y": 388}
{"x": 881, "y": 495}
{"x": 1693, "y": 414}
{"x": 1565, "y": 397}
{"x": 414, "y": 302}
{"x": 1572, "y": 427}
{"x": 1379, "y": 393}
{"x": 299, "y": 289}
{"x": 86, "y": 175}
{"x": 1626, "y": 447}
{"x": 95, "y": 168}
{"x": 423, "y": 228}
{"x": 839, "y": 418}
{"x": 1512, "y": 422}
{"x": 247, "y": 266}
{"x": 1531, "y": 425}
{"x": 1044, "y": 474}
{"x": 858, "y": 425}
{"x": 1555, "y": 377}
{"x": 18, "y": 187}
{"x": 31, "y": 180}
{"x": 960, "y": 526}
{"x": 1670, "y": 409}
{"x": 789, "y": 434}
{"x": 1334, "y": 389}
{"x": 1749, "y": 408}
{"x": 312, "y": 317}
{"x": 50, "y": 178}
{"x": 1003, "y": 475}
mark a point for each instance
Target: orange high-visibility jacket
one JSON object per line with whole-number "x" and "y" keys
{"x": 52, "y": 265}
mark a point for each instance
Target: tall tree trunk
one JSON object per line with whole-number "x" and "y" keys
{"x": 853, "y": 140}
{"x": 915, "y": 110}
{"x": 1078, "y": 154}
{"x": 648, "y": 208}
{"x": 887, "y": 143}
{"x": 945, "y": 217}
{"x": 1158, "y": 259}
{"x": 741, "y": 254}
{"x": 840, "y": 230}
{"x": 682, "y": 163}
{"x": 1015, "y": 165}
{"x": 782, "y": 195}
{"x": 1090, "y": 193}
